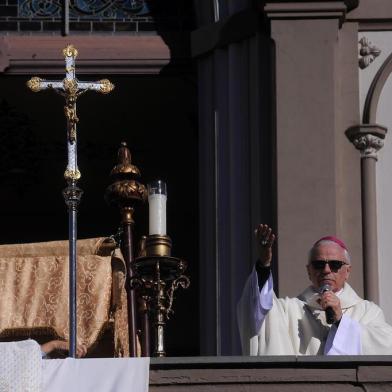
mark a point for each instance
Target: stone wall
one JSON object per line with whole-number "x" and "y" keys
{"x": 272, "y": 374}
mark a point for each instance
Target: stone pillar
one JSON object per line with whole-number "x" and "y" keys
{"x": 317, "y": 179}
{"x": 368, "y": 139}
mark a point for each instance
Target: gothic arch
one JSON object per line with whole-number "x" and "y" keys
{"x": 374, "y": 93}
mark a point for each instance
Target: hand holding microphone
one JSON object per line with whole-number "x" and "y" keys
{"x": 331, "y": 304}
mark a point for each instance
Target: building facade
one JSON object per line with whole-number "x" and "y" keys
{"x": 253, "y": 111}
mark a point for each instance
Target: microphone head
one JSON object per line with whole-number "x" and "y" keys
{"x": 324, "y": 288}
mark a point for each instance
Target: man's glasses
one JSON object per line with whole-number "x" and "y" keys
{"x": 334, "y": 265}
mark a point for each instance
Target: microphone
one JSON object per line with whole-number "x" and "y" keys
{"x": 329, "y": 313}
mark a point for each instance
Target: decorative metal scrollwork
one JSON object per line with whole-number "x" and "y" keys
{"x": 83, "y": 9}
{"x": 159, "y": 297}
{"x": 39, "y": 8}
{"x": 184, "y": 282}
{"x": 156, "y": 279}
{"x": 137, "y": 283}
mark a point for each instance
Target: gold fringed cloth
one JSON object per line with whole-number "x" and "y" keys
{"x": 34, "y": 291}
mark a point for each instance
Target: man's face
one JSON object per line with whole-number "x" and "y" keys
{"x": 320, "y": 277}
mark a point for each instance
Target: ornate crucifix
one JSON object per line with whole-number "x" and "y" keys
{"x": 70, "y": 88}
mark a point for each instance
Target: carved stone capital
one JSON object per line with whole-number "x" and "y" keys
{"x": 368, "y": 145}
{"x": 367, "y": 52}
{"x": 367, "y": 138}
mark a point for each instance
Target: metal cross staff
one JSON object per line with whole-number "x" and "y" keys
{"x": 70, "y": 88}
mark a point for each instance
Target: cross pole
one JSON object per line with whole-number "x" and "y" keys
{"x": 71, "y": 88}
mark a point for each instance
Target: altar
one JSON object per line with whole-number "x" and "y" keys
{"x": 202, "y": 374}
{"x": 95, "y": 374}
{"x": 235, "y": 373}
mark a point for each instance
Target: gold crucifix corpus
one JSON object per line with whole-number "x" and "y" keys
{"x": 70, "y": 88}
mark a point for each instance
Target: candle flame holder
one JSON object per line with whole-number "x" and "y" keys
{"x": 157, "y": 276}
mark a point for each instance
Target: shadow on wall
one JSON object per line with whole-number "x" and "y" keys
{"x": 173, "y": 21}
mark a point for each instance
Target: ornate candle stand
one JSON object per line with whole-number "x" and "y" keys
{"x": 123, "y": 193}
{"x": 157, "y": 276}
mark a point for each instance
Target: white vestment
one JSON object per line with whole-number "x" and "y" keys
{"x": 296, "y": 326}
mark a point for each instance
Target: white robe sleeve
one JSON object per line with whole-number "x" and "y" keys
{"x": 345, "y": 340}
{"x": 363, "y": 332}
{"x": 376, "y": 334}
{"x": 252, "y": 309}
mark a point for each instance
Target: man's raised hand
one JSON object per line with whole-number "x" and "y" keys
{"x": 265, "y": 239}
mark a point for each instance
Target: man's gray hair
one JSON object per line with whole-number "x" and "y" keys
{"x": 322, "y": 242}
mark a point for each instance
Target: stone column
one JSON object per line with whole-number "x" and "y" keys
{"x": 368, "y": 139}
{"x": 317, "y": 178}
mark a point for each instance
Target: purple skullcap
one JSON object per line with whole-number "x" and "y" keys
{"x": 333, "y": 239}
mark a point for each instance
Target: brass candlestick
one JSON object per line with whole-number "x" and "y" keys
{"x": 157, "y": 276}
{"x": 124, "y": 192}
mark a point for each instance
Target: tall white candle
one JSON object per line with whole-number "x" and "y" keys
{"x": 157, "y": 207}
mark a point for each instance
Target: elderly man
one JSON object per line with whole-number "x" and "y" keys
{"x": 328, "y": 318}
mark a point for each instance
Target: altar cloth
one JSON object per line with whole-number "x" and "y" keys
{"x": 34, "y": 292}
{"x": 95, "y": 375}
{"x": 20, "y": 366}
